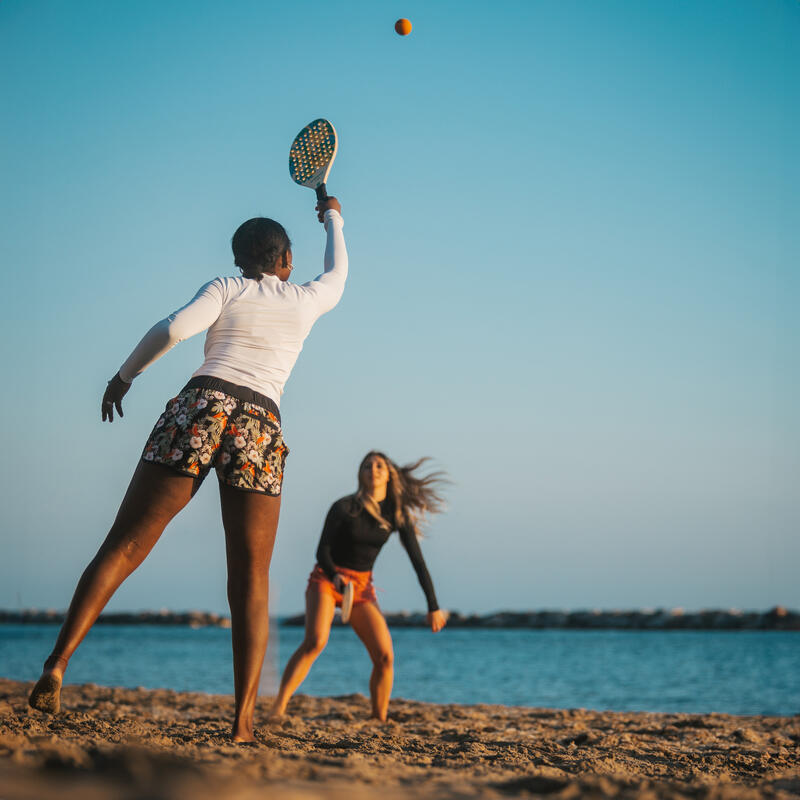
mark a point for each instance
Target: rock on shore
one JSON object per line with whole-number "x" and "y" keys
{"x": 776, "y": 619}
{"x": 193, "y": 619}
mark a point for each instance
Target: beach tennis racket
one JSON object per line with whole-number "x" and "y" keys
{"x": 347, "y": 601}
{"x": 311, "y": 156}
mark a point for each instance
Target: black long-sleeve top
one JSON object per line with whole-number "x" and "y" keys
{"x": 354, "y": 542}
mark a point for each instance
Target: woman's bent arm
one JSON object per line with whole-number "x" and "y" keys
{"x": 329, "y": 531}
{"x": 327, "y": 288}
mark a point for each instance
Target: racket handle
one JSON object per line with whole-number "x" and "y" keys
{"x": 322, "y": 193}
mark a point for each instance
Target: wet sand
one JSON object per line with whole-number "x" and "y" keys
{"x": 137, "y": 743}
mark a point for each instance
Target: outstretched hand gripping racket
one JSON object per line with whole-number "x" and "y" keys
{"x": 311, "y": 156}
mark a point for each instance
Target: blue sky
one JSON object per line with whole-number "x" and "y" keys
{"x": 573, "y": 231}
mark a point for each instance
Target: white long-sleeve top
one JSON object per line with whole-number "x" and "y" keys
{"x": 256, "y": 329}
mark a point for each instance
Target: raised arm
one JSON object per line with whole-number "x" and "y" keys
{"x": 327, "y": 288}
{"x": 197, "y": 315}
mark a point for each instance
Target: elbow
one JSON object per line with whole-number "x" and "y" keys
{"x": 337, "y": 268}
{"x": 336, "y": 295}
{"x": 172, "y": 331}
{"x": 330, "y": 297}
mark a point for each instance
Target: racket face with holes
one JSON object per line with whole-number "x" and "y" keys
{"x": 312, "y": 154}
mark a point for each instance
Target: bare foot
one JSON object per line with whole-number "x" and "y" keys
{"x": 46, "y": 694}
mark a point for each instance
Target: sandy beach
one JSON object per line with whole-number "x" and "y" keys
{"x": 137, "y": 743}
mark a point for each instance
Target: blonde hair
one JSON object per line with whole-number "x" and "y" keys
{"x": 413, "y": 497}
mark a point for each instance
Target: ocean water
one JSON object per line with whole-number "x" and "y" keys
{"x": 736, "y": 673}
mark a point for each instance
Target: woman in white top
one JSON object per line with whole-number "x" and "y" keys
{"x": 226, "y": 418}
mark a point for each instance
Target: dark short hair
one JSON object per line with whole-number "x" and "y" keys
{"x": 257, "y": 245}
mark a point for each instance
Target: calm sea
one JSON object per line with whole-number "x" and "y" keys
{"x": 735, "y": 673}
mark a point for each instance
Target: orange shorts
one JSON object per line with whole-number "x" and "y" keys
{"x": 364, "y": 590}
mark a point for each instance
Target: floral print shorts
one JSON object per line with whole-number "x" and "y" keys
{"x": 203, "y": 428}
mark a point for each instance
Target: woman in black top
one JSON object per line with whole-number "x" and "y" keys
{"x": 389, "y": 498}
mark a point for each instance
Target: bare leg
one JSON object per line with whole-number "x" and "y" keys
{"x": 371, "y": 627}
{"x": 251, "y": 522}
{"x": 320, "y": 608}
{"x": 155, "y": 495}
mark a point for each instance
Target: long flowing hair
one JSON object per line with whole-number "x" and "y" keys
{"x": 412, "y": 496}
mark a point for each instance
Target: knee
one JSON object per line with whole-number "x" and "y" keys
{"x": 247, "y": 577}
{"x": 133, "y": 551}
{"x": 384, "y": 660}
{"x": 314, "y": 644}
{"x": 247, "y": 564}
{"x": 130, "y": 552}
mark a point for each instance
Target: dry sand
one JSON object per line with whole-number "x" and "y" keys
{"x": 136, "y": 743}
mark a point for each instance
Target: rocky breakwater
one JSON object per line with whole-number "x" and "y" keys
{"x": 192, "y": 619}
{"x": 776, "y": 619}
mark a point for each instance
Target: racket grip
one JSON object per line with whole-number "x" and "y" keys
{"x": 322, "y": 192}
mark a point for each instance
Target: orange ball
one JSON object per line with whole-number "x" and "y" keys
{"x": 403, "y": 27}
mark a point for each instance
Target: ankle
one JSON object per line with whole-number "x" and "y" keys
{"x": 279, "y": 707}
{"x": 243, "y": 722}
{"x": 242, "y": 733}
{"x": 55, "y": 663}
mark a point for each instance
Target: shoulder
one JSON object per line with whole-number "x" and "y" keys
{"x": 296, "y": 290}
{"x": 231, "y": 283}
{"x": 345, "y": 510}
{"x": 310, "y": 290}
{"x": 339, "y": 513}
{"x": 228, "y": 287}
{"x": 221, "y": 286}
{"x": 343, "y": 506}
{"x": 223, "y": 281}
